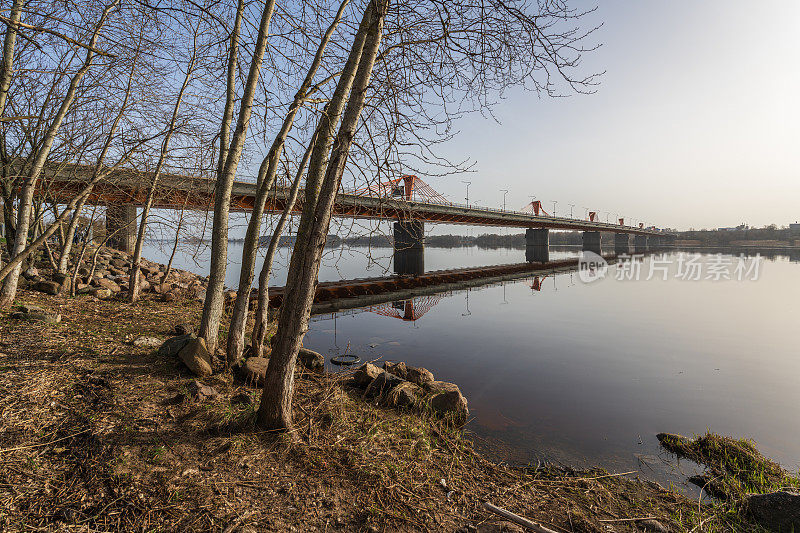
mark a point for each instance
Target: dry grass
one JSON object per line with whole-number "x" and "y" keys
{"x": 97, "y": 434}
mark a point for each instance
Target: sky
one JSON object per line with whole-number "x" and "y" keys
{"x": 696, "y": 122}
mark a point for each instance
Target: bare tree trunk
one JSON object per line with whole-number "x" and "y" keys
{"x": 77, "y": 266}
{"x": 174, "y": 245}
{"x": 66, "y": 248}
{"x": 275, "y": 410}
{"x": 261, "y": 317}
{"x": 267, "y": 173}
{"x": 11, "y": 278}
{"x": 136, "y": 260}
{"x": 8, "y": 53}
{"x": 212, "y": 307}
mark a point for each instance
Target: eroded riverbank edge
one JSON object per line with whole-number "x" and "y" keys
{"x": 99, "y": 432}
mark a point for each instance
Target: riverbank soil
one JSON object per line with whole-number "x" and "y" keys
{"x": 97, "y": 433}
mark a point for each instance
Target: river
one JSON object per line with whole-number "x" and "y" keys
{"x": 586, "y": 374}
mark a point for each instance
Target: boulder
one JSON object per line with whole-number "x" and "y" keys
{"x": 47, "y": 287}
{"x": 398, "y": 369}
{"x": 253, "y": 371}
{"x": 382, "y": 384}
{"x": 777, "y": 511}
{"x": 30, "y": 308}
{"x": 30, "y": 272}
{"x": 195, "y": 356}
{"x": 184, "y": 329}
{"x": 450, "y": 404}
{"x": 419, "y": 375}
{"x": 144, "y": 285}
{"x": 405, "y": 394}
{"x": 310, "y": 359}
{"x": 173, "y": 345}
{"x": 201, "y": 391}
{"x": 365, "y": 374}
{"x": 143, "y": 341}
{"x": 45, "y": 316}
{"x": 106, "y": 283}
{"x": 101, "y": 293}
{"x": 436, "y": 387}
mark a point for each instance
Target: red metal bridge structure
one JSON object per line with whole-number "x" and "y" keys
{"x": 406, "y": 198}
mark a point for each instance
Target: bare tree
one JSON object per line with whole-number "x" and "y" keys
{"x": 266, "y": 179}
{"x": 213, "y": 305}
{"x": 24, "y": 211}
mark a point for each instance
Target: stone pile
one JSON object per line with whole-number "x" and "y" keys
{"x": 112, "y": 275}
{"x": 254, "y": 369}
{"x": 400, "y": 385}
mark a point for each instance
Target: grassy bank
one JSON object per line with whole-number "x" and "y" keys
{"x": 99, "y": 434}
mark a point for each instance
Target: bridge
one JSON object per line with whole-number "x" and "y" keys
{"x": 407, "y": 200}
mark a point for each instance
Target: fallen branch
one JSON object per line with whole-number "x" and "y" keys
{"x": 524, "y": 522}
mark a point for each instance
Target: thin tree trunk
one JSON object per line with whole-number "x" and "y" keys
{"x": 267, "y": 173}
{"x": 275, "y": 410}
{"x": 261, "y": 317}
{"x": 79, "y": 258}
{"x": 8, "y": 53}
{"x": 174, "y": 245}
{"x": 11, "y": 278}
{"x": 213, "y": 305}
{"x": 134, "y": 288}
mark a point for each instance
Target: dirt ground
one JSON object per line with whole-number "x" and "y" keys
{"x": 99, "y": 435}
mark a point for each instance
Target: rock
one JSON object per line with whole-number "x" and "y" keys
{"x": 31, "y": 272}
{"x": 60, "y": 278}
{"x": 106, "y": 283}
{"x": 44, "y": 316}
{"x": 47, "y": 287}
{"x": 652, "y": 525}
{"x": 382, "y": 384}
{"x": 30, "y": 308}
{"x": 398, "y": 369}
{"x": 201, "y": 391}
{"x": 18, "y": 315}
{"x": 254, "y": 370}
{"x": 777, "y": 511}
{"x": 119, "y": 263}
{"x": 183, "y": 329}
{"x": 406, "y": 394}
{"x": 143, "y": 341}
{"x": 310, "y": 359}
{"x": 450, "y": 404}
{"x": 102, "y": 293}
{"x": 81, "y": 287}
{"x": 144, "y": 285}
{"x": 436, "y": 387}
{"x": 173, "y": 345}
{"x": 242, "y": 398}
{"x": 195, "y": 356}
{"x": 365, "y": 374}
{"x": 419, "y": 375}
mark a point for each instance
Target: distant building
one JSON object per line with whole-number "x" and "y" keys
{"x": 795, "y": 228}
{"x": 740, "y": 227}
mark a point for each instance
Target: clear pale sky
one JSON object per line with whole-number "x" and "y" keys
{"x": 695, "y": 123}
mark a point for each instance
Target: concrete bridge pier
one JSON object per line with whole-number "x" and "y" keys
{"x": 591, "y": 242}
{"x": 537, "y": 245}
{"x": 640, "y": 243}
{"x": 621, "y": 243}
{"x": 409, "y": 247}
{"x": 121, "y": 222}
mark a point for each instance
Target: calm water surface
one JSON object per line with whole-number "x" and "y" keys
{"x": 587, "y": 374}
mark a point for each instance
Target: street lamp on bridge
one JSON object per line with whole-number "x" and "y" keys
{"x": 571, "y": 206}
{"x": 467, "y": 183}
{"x": 505, "y": 192}
{"x": 555, "y": 202}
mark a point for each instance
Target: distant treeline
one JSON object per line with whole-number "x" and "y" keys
{"x": 734, "y": 237}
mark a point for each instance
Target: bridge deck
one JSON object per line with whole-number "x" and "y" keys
{"x": 175, "y": 191}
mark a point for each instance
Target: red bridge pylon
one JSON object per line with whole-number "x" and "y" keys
{"x": 535, "y": 207}
{"x": 408, "y": 187}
